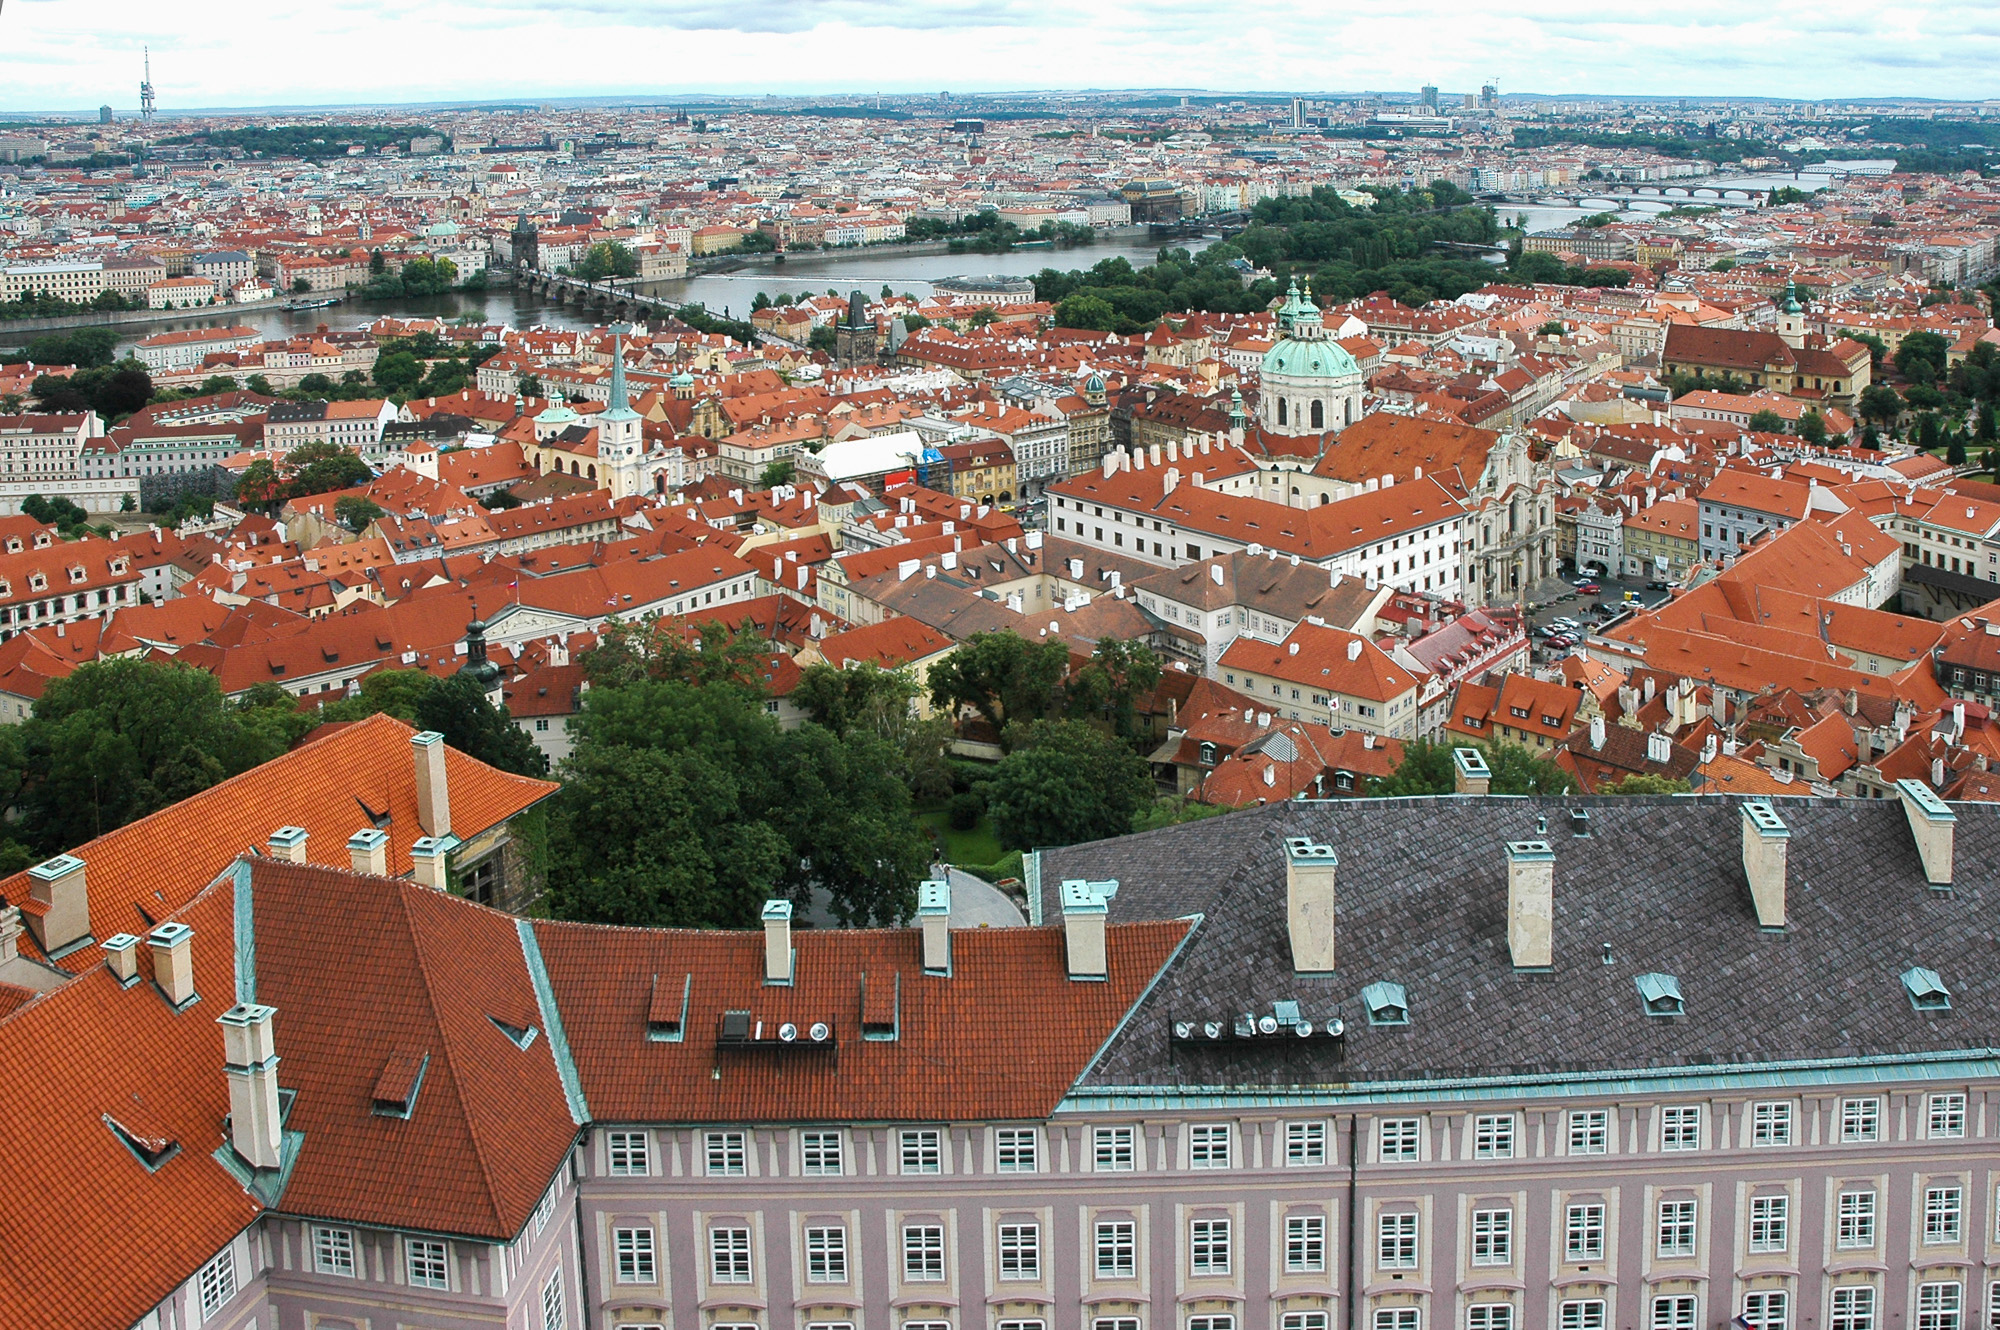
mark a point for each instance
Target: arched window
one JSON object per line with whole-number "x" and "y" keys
{"x": 1348, "y": 410}
{"x": 1318, "y": 414}
{"x": 1281, "y": 411}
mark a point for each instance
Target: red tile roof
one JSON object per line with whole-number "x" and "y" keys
{"x": 332, "y": 786}
{"x": 1011, "y": 1027}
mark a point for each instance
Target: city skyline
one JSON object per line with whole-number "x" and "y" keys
{"x": 58, "y": 59}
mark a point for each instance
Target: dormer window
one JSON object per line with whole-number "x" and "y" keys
{"x": 76, "y": 574}
{"x": 1387, "y": 1004}
{"x": 1926, "y": 990}
{"x": 36, "y": 582}
{"x": 1661, "y": 994}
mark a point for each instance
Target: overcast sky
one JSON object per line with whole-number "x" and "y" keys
{"x": 75, "y": 54}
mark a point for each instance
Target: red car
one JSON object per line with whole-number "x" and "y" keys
{"x": 1589, "y": 589}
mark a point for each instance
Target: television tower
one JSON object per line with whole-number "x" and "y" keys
{"x": 146, "y": 107}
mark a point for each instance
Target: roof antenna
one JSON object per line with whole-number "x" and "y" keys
{"x": 1607, "y": 953}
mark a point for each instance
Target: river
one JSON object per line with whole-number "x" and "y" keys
{"x": 731, "y": 293}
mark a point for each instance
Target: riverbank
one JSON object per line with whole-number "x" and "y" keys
{"x": 1108, "y": 237}
{"x": 16, "y": 332}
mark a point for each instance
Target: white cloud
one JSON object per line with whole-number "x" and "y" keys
{"x": 67, "y": 56}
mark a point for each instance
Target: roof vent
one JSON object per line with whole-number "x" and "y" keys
{"x": 1926, "y": 990}
{"x": 1579, "y": 821}
{"x": 139, "y": 1130}
{"x": 1387, "y": 1004}
{"x": 1661, "y": 994}
{"x": 934, "y": 918}
{"x": 777, "y": 942}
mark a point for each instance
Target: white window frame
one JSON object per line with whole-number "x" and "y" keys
{"x": 729, "y": 1255}
{"x": 1771, "y": 1122}
{"x": 1489, "y": 1316}
{"x": 215, "y": 1282}
{"x": 725, "y": 1154}
{"x": 1098, "y": 1323}
{"x": 1211, "y": 1145}
{"x": 1680, "y": 1127}
{"x": 629, "y": 1154}
{"x": 822, "y": 1153}
{"x": 427, "y": 1263}
{"x": 1768, "y": 1309}
{"x": 1209, "y": 1252}
{"x": 1117, "y": 1248}
{"x": 923, "y": 1253}
{"x": 1114, "y": 1149}
{"x": 1770, "y": 1223}
{"x": 1016, "y": 1150}
{"x": 1305, "y": 1144}
{"x": 555, "y": 1315}
{"x": 921, "y": 1150}
{"x": 1861, "y": 1119}
{"x": 1399, "y": 1140}
{"x": 1493, "y": 1237}
{"x": 1674, "y": 1311}
{"x": 1589, "y": 1131}
{"x": 1940, "y": 1305}
{"x": 1020, "y": 1247}
{"x": 1854, "y": 1225}
{"x": 1583, "y": 1232}
{"x": 1298, "y": 1321}
{"x": 1305, "y": 1244}
{"x": 826, "y": 1254}
{"x": 635, "y": 1258}
{"x": 1944, "y": 1116}
{"x": 1944, "y": 1215}
{"x": 1212, "y": 1321}
{"x": 1853, "y": 1307}
{"x": 1493, "y": 1136}
{"x": 1396, "y": 1233}
{"x": 1581, "y": 1314}
{"x": 1398, "y": 1318}
{"x": 333, "y": 1251}
{"x": 1677, "y": 1230}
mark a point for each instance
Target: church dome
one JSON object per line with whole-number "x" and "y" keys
{"x": 1094, "y": 384}
{"x": 557, "y": 413}
{"x": 1309, "y": 358}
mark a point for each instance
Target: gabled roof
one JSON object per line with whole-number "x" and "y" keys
{"x": 358, "y": 776}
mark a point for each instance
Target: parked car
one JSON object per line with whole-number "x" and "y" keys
{"x": 1589, "y": 589}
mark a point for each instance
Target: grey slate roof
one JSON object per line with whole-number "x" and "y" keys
{"x": 1422, "y": 889}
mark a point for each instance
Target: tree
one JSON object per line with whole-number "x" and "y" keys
{"x": 607, "y": 258}
{"x": 869, "y": 699}
{"x": 378, "y": 263}
{"x": 1921, "y": 357}
{"x": 1065, "y": 782}
{"x": 1812, "y": 427}
{"x": 1427, "y": 768}
{"x": 1927, "y": 433}
{"x": 388, "y": 692}
{"x": 1954, "y": 451}
{"x": 355, "y": 512}
{"x": 1087, "y": 310}
{"x": 398, "y": 370}
{"x": 780, "y": 472}
{"x": 1766, "y": 421}
{"x": 1641, "y": 783}
{"x": 1878, "y": 351}
{"x": 258, "y": 486}
{"x": 121, "y": 738}
{"x": 215, "y": 384}
{"x": 529, "y": 386}
{"x": 300, "y": 286}
{"x": 1002, "y": 676}
{"x": 63, "y": 514}
{"x": 319, "y": 468}
{"x": 1879, "y": 402}
{"x": 1108, "y": 686}
{"x": 260, "y": 385}
{"x": 458, "y": 708}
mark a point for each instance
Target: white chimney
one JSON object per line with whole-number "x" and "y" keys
{"x": 1310, "y": 870}
{"x": 1215, "y": 573}
{"x": 1354, "y": 649}
{"x": 1597, "y": 733}
{"x": 433, "y": 789}
{"x": 1659, "y": 748}
{"x": 172, "y": 944}
{"x": 368, "y": 852}
{"x": 1531, "y": 909}
{"x": 1932, "y": 824}
{"x": 288, "y": 844}
{"x": 934, "y": 918}
{"x": 121, "y": 954}
{"x": 907, "y": 569}
{"x": 427, "y": 856}
{"x": 59, "y": 885}
{"x": 1765, "y": 838}
{"x": 777, "y": 942}
{"x": 1084, "y": 914}
{"x": 1469, "y": 772}
{"x": 250, "y": 1060}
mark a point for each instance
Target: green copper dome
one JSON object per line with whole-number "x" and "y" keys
{"x": 557, "y": 412}
{"x": 1309, "y": 358}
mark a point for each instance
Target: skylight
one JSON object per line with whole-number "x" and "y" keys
{"x": 1662, "y": 995}
{"x": 521, "y": 1035}
{"x": 1927, "y": 991}
{"x": 1387, "y": 1004}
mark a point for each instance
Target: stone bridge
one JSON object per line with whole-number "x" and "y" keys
{"x": 618, "y": 299}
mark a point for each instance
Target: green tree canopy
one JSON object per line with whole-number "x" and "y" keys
{"x": 1427, "y": 768}
{"x": 1002, "y": 676}
{"x": 1064, "y": 782}
{"x": 1645, "y": 784}
{"x": 1767, "y": 421}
